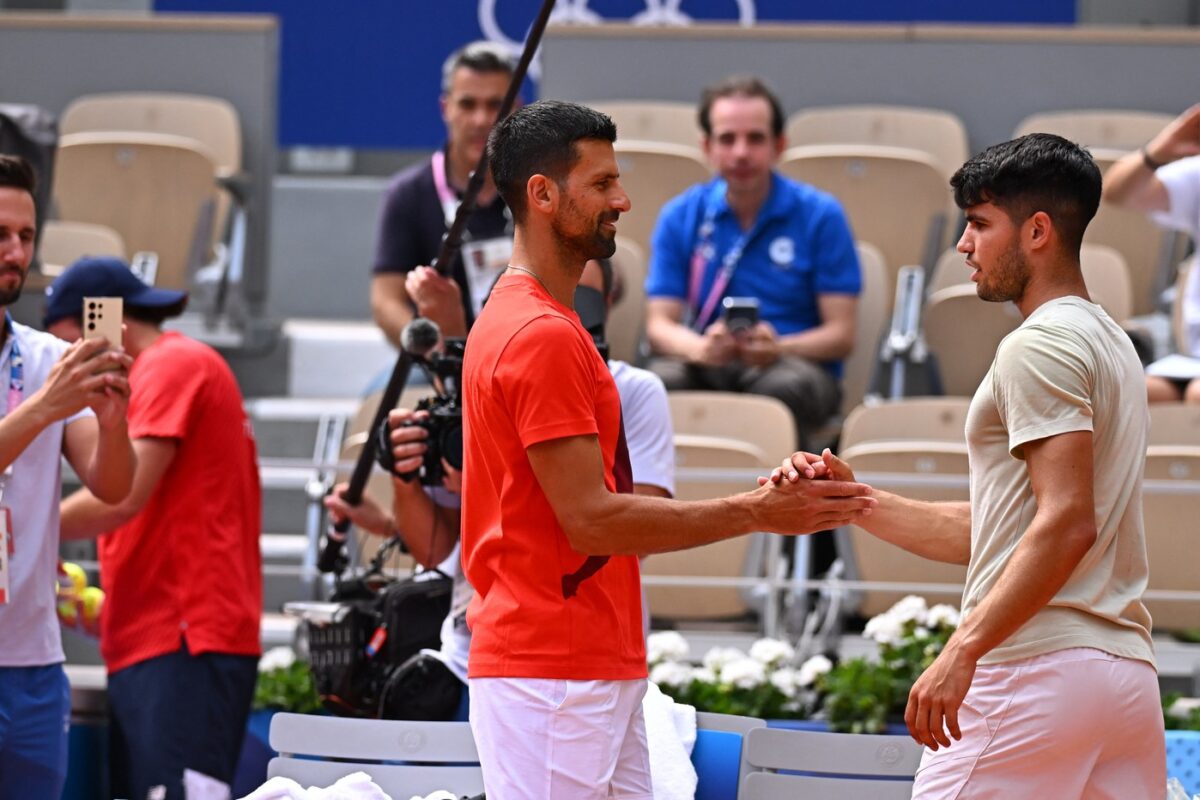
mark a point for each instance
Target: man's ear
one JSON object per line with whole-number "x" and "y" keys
{"x": 1039, "y": 229}
{"x": 541, "y": 194}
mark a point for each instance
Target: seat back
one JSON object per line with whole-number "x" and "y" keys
{"x": 939, "y": 133}
{"x": 627, "y": 317}
{"x": 1170, "y": 507}
{"x": 870, "y": 323}
{"x": 64, "y": 243}
{"x": 950, "y": 270}
{"x": 318, "y": 750}
{"x": 720, "y": 753}
{"x": 652, "y": 173}
{"x": 1174, "y": 424}
{"x": 1106, "y": 128}
{"x": 764, "y": 422}
{"x": 166, "y": 190}
{"x": 963, "y": 360}
{"x": 892, "y": 196}
{"x": 666, "y": 121}
{"x": 841, "y": 766}
{"x": 730, "y": 558}
{"x": 889, "y": 465}
{"x": 941, "y": 419}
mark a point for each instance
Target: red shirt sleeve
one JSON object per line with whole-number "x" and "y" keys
{"x": 163, "y": 391}
{"x": 547, "y": 379}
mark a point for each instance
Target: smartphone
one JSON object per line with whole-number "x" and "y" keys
{"x": 741, "y": 313}
{"x": 102, "y": 317}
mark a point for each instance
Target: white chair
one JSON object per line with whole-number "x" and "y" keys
{"x": 869, "y": 324}
{"x": 668, "y": 121}
{"x": 652, "y": 173}
{"x": 964, "y": 332}
{"x": 63, "y": 243}
{"x": 404, "y": 758}
{"x": 1119, "y": 129}
{"x": 941, "y": 419}
{"x": 627, "y": 317}
{"x": 866, "y": 766}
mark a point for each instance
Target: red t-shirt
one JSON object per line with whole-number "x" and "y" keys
{"x": 188, "y": 565}
{"x": 532, "y": 374}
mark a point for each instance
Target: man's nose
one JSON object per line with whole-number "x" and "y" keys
{"x": 964, "y": 244}
{"x": 621, "y": 201}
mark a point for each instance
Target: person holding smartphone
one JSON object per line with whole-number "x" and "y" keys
{"x": 753, "y": 281}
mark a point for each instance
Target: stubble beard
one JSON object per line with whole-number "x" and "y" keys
{"x": 586, "y": 239}
{"x": 1007, "y": 280}
{"x": 10, "y": 296}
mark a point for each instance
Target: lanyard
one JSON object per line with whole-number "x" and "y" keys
{"x": 446, "y": 195}
{"x": 700, "y": 259}
{"x": 16, "y": 386}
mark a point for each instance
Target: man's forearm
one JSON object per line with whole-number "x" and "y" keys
{"x": 672, "y": 339}
{"x": 19, "y": 429}
{"x": 82, "y": 516}
{"x": 937, "y": 531}
{"x": 109, "y": 475}
{"x": 428, "y": 530}
{"x": 1127, "y": 182}
{"x": 826, "y": 342}
{"x": 1047, "y": 554}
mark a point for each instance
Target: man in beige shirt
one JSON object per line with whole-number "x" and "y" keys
{"x": 1048, "y": 688}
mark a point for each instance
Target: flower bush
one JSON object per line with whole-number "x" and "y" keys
{"x": 762, "y": 683}
{"x": 285, "y": 683}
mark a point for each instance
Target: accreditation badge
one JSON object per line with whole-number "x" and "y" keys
{"x": 5, "y": 550}
{"x": 483, "y": 261}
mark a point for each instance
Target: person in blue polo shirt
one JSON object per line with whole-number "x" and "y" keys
{"x": 752, "y": 233}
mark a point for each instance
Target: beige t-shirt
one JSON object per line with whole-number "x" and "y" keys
{"x": 1069, "y": 367}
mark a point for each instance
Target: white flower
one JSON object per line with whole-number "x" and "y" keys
{"x": 276, "y": 658}
{"x": 716, "y": 658}
{"x": 885, "y": 629}
{"x": 812, "y": 669}
{"x": 786, "y": 680}
{"x": 666, "y": 646}
{"x": 921, "y": 633}
{"x": 942, "y": 614}
{"x": 671, "y": 673}
{"x": 911, "y": 608}
{"x": 704, "y": 675}
{"x": 772, "y": 652}
{"x": 744, "y": 673}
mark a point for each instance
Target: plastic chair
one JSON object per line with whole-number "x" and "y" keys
{"x": 890, "y": 465}
{"x": 939, "y": 133}
{"x": 941, "y": 419}
{"x": 895, "y": 198}
{"x": 652, "y": 173}
{"x": 665, "y": 121}
{"x": 319, "y": 750}
{"x": 166, "y": 190}
{"x": 964, "y": 358}
{"x": 870, "y": 323}
{"x": 1119, "y": 129}
{"x": 627, "y": 317}
{"x": 831, "y": 766}
{"x": 64, "y": 243}
{"x": 719, "y": 754}
{"x": 1174, "y": 424}
{"x": 763, "y": 422}
{"x": 1170, "y": 509}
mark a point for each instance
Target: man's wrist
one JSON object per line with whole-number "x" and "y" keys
{"x": 1150, "y": 161}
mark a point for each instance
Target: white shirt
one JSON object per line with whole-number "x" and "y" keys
{"x": 1182, "y": 181}
{"x": 29, "y": 634}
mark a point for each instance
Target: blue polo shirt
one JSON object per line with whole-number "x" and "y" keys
{"x": 799, "y": 247}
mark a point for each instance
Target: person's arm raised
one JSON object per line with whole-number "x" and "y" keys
{"x": 570, "y": 472}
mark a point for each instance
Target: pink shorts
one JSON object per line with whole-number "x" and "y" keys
{"x": 546, "y": 739}
{"x": 1076, "y": 723}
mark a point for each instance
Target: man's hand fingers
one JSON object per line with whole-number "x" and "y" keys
{"x": 952, "y": 723}
{"x": 937, "y": 729}
{"x": 832, "y": 488}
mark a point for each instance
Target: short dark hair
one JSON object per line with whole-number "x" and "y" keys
{"x": 479, "y": 56}
{"x": 539, "y": 139}
{"x": 739, "y": 86}
{"x": 1038, "y": 172}
{"x": 17, "y": 173}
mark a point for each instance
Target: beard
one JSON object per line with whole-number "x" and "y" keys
{"x": 10, "y": 296}
{"x": 1007, "y": 279}
{"x": 584, "y": 237}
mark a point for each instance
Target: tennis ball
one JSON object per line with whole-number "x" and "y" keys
{"x": 68, "y": 612}
{"x": 76, "y": 576}
{"x": 92, "y": 599}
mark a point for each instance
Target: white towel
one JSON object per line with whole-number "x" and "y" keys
{"x": 671, "y": 734}
{"x": 355, "y": 786}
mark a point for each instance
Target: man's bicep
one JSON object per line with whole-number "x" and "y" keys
{"x": 570, "y": 472}
{"x": 841, "y": 309}
{"x": 1061, "y": 472}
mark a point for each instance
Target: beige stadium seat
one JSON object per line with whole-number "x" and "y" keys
{"x": 887, "y": 465}
{"x": 1175, "y": 424}
{"x": 1106, "y": 128}
{"x": 653, "y": 173}
{"x": 963, "y": 332}
{"x": 730, "y": 558}
{"x": 763, "y": 422}
{"x": 892, "y": 196}
{"x": 1178, "y": 324}
{"x": 627, "y": 317}
{"x": 1104, "y": 271}
{"x": 870, "y": 323}
{"x": 939, "y": 133}
{"x": 938, "y": 419}
{"x": 157, "y": 191}
{"x": 666, "y": 121}
{"x": 1171, "y": 505}
{"x": 63, "y": 243}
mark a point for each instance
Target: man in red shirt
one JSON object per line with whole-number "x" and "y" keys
{"x": 551, "y": 532}
{"x": 179, "y": 557}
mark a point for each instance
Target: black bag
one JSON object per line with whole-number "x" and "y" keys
{"x": 32, "y": 133}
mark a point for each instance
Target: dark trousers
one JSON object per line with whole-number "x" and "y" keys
{"x": 35, "y": 713}
{"x": 175, "y": 712}
{"x": 812, "y": 394}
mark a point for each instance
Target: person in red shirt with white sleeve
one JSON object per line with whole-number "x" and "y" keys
{"x": 179, "y": 558}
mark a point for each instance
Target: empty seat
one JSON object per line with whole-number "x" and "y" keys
{"x": 652, "y": 173}
{"x": 870, "y": 323}
{"x": 895, "y": 198}
{"x": 1175, "y": 424}
{"x": 763, "y": 422}
{"x": 963, "y": 332}
{"x": 1170, "y": 507}
{"x": 1118, "y": 129}
{"x": 939, "y": 133}
{"x": 64, "y": 243}
{"x": 666, "y": 121}
{"x": 941, "y": 419}
{"x": 627, "y": 317}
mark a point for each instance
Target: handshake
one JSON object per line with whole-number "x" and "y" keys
{"x": 810, "y": 492}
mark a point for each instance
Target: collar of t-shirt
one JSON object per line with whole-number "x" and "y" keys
{"x": 777, "y": 206}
